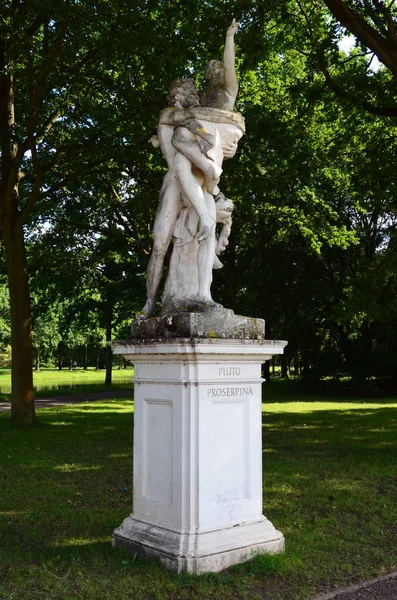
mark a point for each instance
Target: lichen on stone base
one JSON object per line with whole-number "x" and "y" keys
{"x": 216, "y": 322}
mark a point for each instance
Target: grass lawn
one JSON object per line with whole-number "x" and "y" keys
{"x": 330, "y": 485}
{"x": 54, "y": 382}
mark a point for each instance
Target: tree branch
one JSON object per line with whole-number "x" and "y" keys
{"x": 48, "y": 124}
{"x": 129, "y": 226}
{"x": 390, "y": 23}
{"x": 34, "y": 196}
{"x": 381, "y": 111}
{"x": 385, "y": 47}
{"x": 308, "y": 24}
{"x": 49, "y": 63}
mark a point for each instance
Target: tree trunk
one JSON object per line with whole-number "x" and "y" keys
{"x": 108, "y": 350}
{"x": 296, "y": 364}
{"x": 11, "y": 223}
{"x": 60, "y": 356}
{"x": 97, "y": 358}
{"x": 284, "y": 367}
{"x": 124, "y": 363}
{"x": 70, "y": 360}
{"x": 22, "y": 403}
{"x": 37, "y": 365}
{"x": 85, "y": 357}
{"x": 382, "y": 44}
{"x": 305, "y": 364}
{"x": 266, "y": 370}
{"x": 366, "y": 358}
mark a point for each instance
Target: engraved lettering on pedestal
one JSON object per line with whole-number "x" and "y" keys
{"x": 158, "y": 450}
{"x": 229, "y": 461}
{"x": 229, "y": 392}
{"x": 229, "y": 371}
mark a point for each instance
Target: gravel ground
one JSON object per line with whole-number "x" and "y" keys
{"x": 381, "y": 588}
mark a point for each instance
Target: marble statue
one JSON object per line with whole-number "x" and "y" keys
{"x": 197, "y": 479}
{"x": 195, "y": 134}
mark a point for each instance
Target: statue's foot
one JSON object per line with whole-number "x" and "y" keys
{"x": 222, "y": 244}
{"x": 217, "y": 263}
{"x": 208, "y": 301}
{"x": 206, "y": 226}
{"x": 146, "y": 310}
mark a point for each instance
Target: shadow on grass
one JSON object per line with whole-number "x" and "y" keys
{"x": 62, "y": 479}
{"x": 293, "y": 390}
{"x": 330, "y": 480}
{"x": 330, "y": 483}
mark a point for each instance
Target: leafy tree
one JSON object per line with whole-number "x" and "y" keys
{"x": 45, "y": 336}
{"x": 5, "y": 326}
{"x": 81, "y": 85}
{"x": 45, "y": 63}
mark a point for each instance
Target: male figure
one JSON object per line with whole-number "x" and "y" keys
{"x": 185, "y": 176}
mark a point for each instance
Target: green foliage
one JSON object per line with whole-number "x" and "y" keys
{"x": 45, "y": 332}
{"x": 5, "y": 325}
{"x": 313, "y": 244}
{"x": 5, "y": 357}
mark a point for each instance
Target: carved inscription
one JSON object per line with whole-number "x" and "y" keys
{"x": 227, "y": 371}
{"x": 223, "y": 392}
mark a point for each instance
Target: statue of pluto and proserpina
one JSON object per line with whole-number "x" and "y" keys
{"x": 195, "y": 134}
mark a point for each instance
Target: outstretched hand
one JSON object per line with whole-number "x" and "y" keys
{"x": 233, "y": 28}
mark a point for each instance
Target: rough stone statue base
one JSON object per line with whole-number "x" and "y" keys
{"x": 213, "y": 323}
{"x": 197, "y": 502}
{"x": 211, "y": 551}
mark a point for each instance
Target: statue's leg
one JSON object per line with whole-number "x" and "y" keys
{"x": 205, "y": 258}
{"x": 191, "y": 188}
{"x": 164, "y": 223}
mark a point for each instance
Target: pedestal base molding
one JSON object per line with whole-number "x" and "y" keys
{"x": 198, "y": 552}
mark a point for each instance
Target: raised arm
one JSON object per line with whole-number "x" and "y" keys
{"x": 229, "y": 61}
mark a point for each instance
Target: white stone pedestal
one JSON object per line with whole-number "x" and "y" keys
{"x": 197, "y": 501}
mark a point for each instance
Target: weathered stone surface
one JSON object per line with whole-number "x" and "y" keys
{"x": 214, "y": 323}
{"x": 194, "y": 140}
{"x": 211, "y": 551}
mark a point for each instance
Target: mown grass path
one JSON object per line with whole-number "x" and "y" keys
{"x": 330, "y": 485}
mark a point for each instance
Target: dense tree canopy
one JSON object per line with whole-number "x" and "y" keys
{"x": 313, "y": 244}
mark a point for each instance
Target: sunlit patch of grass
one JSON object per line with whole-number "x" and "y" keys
{"x": 121, "y": 405}
{"x": 81, "y": 541}
{"x": 73, "y": 468}
{"x": 76, "y": 375}
{"x": 120, "y": 455}
{"x": 11, "y": 513}
{"x": 310, "y": 407}
{"x": 51, "y": 382}
{"x": 330, "y": 484}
